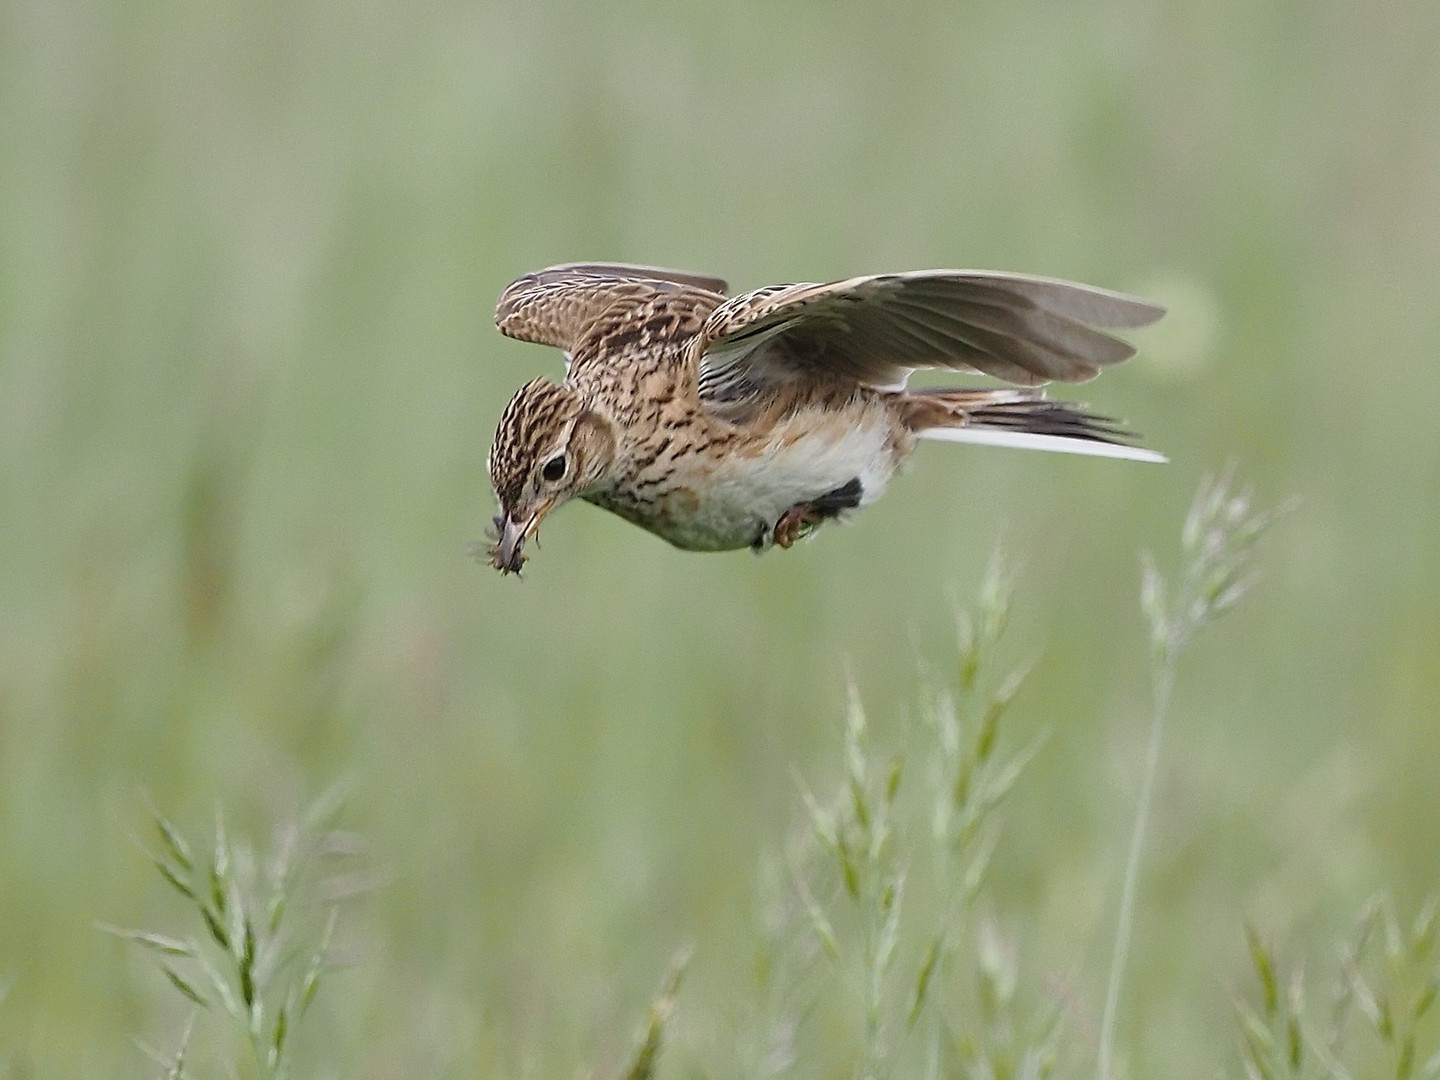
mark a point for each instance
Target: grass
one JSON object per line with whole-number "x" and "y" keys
{"x": 1376, "y": 1016}
{"x": 888, "y": 879}
{"x": 1216, "y": 546}
{"x": 248, "y": 374}
{"x": 262, "y": 939}
{"x": 881, "y": 927}
{"x": 884, "y": 892}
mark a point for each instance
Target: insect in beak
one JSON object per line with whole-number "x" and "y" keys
{"x": 510, "y": 536}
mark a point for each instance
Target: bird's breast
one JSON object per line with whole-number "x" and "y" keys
{"x": 718, "y": 494}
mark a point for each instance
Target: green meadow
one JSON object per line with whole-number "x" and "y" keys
{"x": 249, "y": 253}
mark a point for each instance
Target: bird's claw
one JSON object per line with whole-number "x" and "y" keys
{"x": 796, "y": 523}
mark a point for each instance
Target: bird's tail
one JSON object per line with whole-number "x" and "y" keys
{"x": 1018, "y": 418}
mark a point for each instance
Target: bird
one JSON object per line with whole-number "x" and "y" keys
{"x": 722, "y": 422}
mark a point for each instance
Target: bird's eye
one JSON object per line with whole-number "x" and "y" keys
{"x": 554, "y": 468}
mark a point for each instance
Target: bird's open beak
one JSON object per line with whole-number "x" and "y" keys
{"x": 506, "y": 556}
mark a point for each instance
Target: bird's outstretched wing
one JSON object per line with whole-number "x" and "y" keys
{"x": 876, "y": 330}
{"x": 558, "y": 305}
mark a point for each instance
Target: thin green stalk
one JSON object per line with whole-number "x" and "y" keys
{"x": 1216, "y": 543}
{"x": 1164, "y": 681}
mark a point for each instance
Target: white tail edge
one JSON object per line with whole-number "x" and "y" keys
{"x": 1024, "y": 440}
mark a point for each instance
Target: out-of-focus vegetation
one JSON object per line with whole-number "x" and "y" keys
{"x": 248, "y": 255}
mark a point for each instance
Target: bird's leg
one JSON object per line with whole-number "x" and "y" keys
{"x": 796, "y": 522}
{"x": 802, "y": 518}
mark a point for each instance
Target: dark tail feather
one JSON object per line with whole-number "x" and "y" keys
{"x": 1021, "y": 419}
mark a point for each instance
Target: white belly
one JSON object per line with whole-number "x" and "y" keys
{"x": 736, "y": 501}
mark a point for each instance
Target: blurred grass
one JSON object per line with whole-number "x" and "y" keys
{"x": 248, "y": 253}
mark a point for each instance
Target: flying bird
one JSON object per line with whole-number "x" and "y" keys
{"x": 721, "y": 422}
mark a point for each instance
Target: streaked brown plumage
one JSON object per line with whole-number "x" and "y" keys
{"x": 720, "y": 423}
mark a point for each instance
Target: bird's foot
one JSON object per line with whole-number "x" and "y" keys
{"x": 797, "y": 522}
{"x": 803, "y": 518}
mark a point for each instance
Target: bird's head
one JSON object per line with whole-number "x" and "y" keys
{"x": 549, "y": 447}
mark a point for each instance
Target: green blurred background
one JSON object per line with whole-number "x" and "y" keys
{"x": 248, "y": 257}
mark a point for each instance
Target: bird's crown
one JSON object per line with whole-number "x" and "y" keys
{"x": 532, "y": 424}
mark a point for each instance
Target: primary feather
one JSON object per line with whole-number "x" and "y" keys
{"x": 876, "y": 330}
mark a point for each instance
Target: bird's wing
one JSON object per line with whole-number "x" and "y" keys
{"x": 876, "y": 330}
{"x": 556, "y": 306}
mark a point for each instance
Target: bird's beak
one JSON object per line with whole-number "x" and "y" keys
{"x": 506, "y": 555}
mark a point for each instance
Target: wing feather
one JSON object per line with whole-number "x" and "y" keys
{"x": 556, "y": 306}
{"x": 1025, "y": 440}
{"x": 876, "y": 330}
